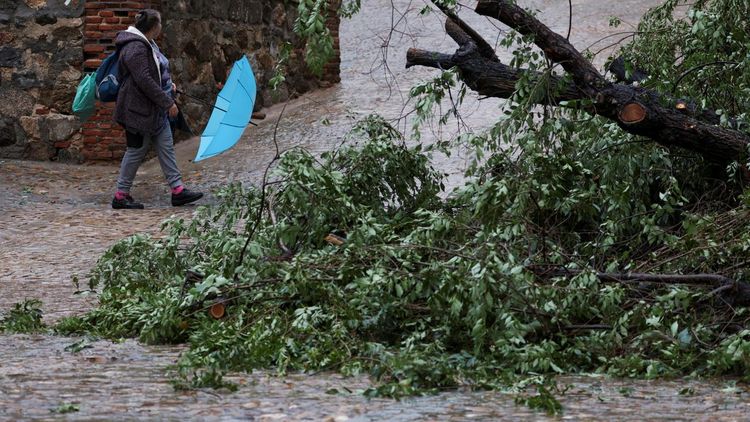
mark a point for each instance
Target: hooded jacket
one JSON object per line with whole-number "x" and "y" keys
{"x": 141, "y": 103}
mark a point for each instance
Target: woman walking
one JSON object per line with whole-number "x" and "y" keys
{"x": 144, "y": 105}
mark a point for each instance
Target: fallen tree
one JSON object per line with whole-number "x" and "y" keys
{"x": 576, "y": 248}
{"x": 637, "y": 110}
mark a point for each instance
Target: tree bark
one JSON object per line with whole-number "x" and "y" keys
{"x": 487, "y": 76}
{"x": 667, "y": 121}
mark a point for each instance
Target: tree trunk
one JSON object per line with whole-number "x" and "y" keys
{"x": 637, "y": 110}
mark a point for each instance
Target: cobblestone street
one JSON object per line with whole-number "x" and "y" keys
{"x": 56, "y": 221}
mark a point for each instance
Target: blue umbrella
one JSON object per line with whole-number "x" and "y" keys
{"x": 232, "y": 111}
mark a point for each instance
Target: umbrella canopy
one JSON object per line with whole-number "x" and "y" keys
{"x": 232, "y": 111}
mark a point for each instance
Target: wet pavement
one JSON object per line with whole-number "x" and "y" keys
{"x": 55, "y": 221}
{"x": 128, "y": 381}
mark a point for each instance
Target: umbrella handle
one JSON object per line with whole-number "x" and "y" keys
{"x": 200, "y": 100}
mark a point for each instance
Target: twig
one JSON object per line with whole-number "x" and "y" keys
{"x": 693, "y": 69}
{"x": 261, "y": 205}
{"x": 588, "y": 327}
{"x": 570, "y": 19}
{"x": 272, "y": 214}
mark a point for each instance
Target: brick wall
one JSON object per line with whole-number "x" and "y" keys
{"x": 332, "y": 70}
{"x": 102, "y": 138}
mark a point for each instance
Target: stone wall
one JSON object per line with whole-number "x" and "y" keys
{"x": 40, "y": 66}
{"x": 45, "y": 46}
{"x": 203, "y": 38}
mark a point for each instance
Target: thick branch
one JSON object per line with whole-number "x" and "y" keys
{"x": 555, "y": 46}
{"x": 490, "y": 78}
{"x": 693, "y": 279}
{"x": 455, "y": 26}
{"x": 731, "y": 291}
{"x": 461, "y": 37}
{"x": 618, "y": 69}
{"x": 417, "y": 57}
{"x": 487, "y": 76}
{"x": 636, "y": 110}
{"x": 671, "y": 126}
{"x": 685, "y": 106}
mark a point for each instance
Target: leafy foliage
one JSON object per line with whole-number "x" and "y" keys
{"x": 701, "y": 53}
{"x": 427, "y": 290}
{"x": 545, "y": 401}
{"x": 25, "y": 317}
{"x": 63, "y": 408}
{"x": 311, "y": 26}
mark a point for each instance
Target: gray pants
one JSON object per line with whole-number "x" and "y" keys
{"x": 134, "y": 157}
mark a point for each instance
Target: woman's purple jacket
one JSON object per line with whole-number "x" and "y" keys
{"x": 141, "y": 104}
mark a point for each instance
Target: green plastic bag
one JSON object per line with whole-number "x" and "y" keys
{"x": 84, "y": 104}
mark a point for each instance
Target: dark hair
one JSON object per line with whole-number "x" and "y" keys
{"x": 147, "y": 19}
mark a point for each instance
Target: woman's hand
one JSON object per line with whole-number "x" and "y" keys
{"x": 174, "y": 88}
{"x": 173, "y": 110}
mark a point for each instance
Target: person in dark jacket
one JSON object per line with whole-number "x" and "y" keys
{"x": 144, "y": 107}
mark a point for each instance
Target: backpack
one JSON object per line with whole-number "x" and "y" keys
{"x": 107, "y": 83}
{"x": 84, "y": 103}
